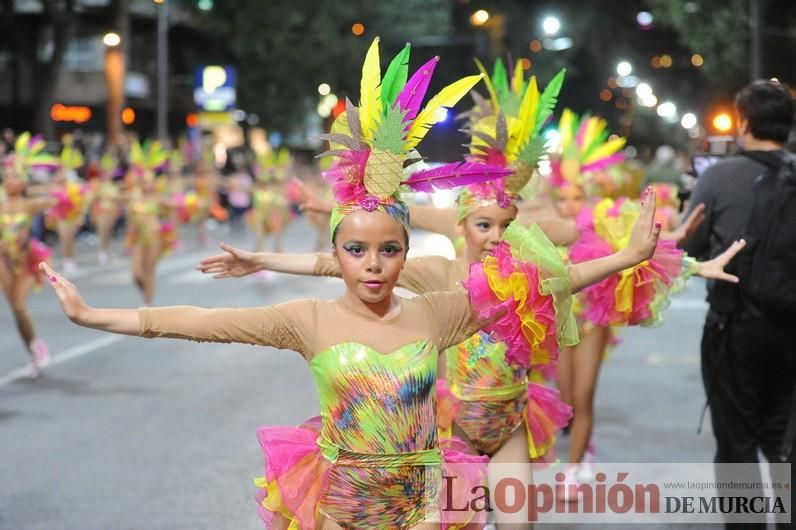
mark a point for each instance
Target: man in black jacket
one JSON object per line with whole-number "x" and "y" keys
{"x": 748, "y": 357}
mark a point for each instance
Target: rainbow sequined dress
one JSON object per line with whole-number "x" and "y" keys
{"x": 373, "y": 459}
{"x": 491, "y": 399}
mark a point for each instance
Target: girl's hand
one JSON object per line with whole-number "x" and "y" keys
{"x": 645, "y": 233}
{"x": 68, "y": 296}
{"x": 714, "y": 269}
{"x": 688, "y": 226}
{"x": 310, "y": 201}
{"x": 233, "y": 263}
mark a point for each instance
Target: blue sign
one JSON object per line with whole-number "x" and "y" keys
{"x": 214, "y": 88}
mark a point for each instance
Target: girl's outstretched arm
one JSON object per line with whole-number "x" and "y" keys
{"x": 714, "y": 268}
{"x": 640, "y": 247}
{"x": 288, "y": 326}
{"x": 235, "y": 263}
{"x": 123, "y": 321}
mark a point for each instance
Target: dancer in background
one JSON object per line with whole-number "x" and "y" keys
{"x": 72, "y": 203}
{"x": 105, "y": 205}
{"x": 150, "y": 233}
{"x": 19, "y": 252}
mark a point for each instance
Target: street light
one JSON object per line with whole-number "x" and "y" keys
{"x": 667, "y": 110}
{"x": 114, "y": 79}
{"x": 689, "y": 120}
{"x": 643, "y": 90}
{"x": 479, "y": 18}
{"x": 722, "y": 122}
{"x": 111, "y": 39}
{"x": 551, "y": 26}
{"x": 324, "y": 89}
{"x": 624, "y": 68}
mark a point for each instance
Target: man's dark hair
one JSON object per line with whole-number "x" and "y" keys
{"x": 768, "y": 108}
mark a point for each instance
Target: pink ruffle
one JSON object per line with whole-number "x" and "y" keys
{"x": 524, "y": 313}
{"x": 547, "y": 414}
{"x": 600, "y": 299}
{"x": 469, "y": 472}
{"x": 294, "y": 461}
{"x": 37, "y": 252}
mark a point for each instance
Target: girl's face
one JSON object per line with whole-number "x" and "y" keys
{"x": 371, "y": 250}
{"x": 483, "y": 229}
{"x": 569, "y": 201}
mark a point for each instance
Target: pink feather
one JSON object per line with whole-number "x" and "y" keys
{"x": 454, "y": 175}
{"x": 345, "y": 176}
{"x": 411, "y": 96}
{"x": 603, "y": 163}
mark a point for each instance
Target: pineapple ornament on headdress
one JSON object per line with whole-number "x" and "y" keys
{"x": 506, "y": 131}
{"x": 373, "y": 143}
{"x": 28, "y": 154}
{"x": 585, "y": 150}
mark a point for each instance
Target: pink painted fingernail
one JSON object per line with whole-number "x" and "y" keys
{"x": 53, "y": 279}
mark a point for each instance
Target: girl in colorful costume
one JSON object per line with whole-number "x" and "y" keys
{"x": 493, "y": 398}
{"x": 270, "y": 212}
{"x": 19, "y": 252}
{"x": 105, "y": 207}
{"x": 637, "y": 295}
{"x": 375, "y": 460}
{"x": 71, "y": 206}
{"x": 150, "y": 232}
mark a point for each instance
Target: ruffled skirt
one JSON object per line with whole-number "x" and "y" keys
{"x": 359, "y": 490}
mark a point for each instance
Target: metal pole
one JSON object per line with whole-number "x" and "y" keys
{"x": 755, "y": 58}
{"x": 163, "y": 71}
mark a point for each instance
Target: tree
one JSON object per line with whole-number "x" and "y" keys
{"x": 283, "y": 49}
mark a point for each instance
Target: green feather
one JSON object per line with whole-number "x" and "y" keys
{"x": 548, "y": 100}
{"x": 500, "y": 78}
{"x": 395, "y": 78}
{"x": 390, "y": 135}
{"x": 532, "y": 151}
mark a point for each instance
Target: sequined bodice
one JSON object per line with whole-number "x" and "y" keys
{"x": 374, "y": 402}
{"x": 14, "y": 227}
{"x": 479, "y": 364}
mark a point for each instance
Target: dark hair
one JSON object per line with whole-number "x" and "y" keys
{"x": 768, "y": 108}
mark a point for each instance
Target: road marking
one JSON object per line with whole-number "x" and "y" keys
{"x": 67, "y": 355}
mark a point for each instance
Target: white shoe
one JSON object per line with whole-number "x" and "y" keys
{"x": 103, "y": 257}
{"x": 69, "y": 267}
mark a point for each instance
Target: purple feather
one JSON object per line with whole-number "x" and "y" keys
{"x": 413, "y": 92}
{"x": 454, "y": 175}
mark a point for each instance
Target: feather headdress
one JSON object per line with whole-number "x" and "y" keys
{"x": 272, "y": 167}
{"x": 29, "y": 154}
{"x": 507, "y": 131}
{"x": 147, "y": 158}
{"x": 71, "y": 158}
{"x": 585, "y": 148}
{"x": 374, "y": 143}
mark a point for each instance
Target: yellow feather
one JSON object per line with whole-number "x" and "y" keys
{"x": 489, "y": 86}
{"x": 370, "y": 92}
{"x": 340, "y": 126}
{"x": 565, "y": 128}
{"x": 607, "y": 149}
{"x": 526, "y": 116}
{"x": 593, "y": 128}
{"x": 447, "y": 97}
{"x": 516, "y": 82}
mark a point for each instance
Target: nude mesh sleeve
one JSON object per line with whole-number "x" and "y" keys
{"x": 326, "y": 265}
{"x": 285, "y": 326}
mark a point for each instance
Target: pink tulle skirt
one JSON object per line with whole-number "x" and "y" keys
{"x": 360, "y": 491}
